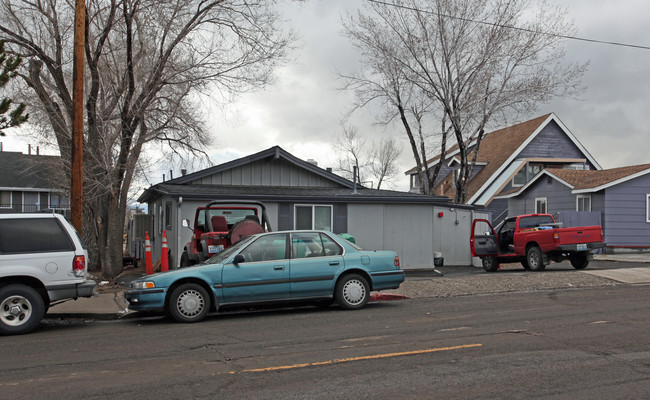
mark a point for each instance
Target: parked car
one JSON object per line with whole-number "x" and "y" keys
{"x": 290, "y": 266}
{"x": 534, "y": 240}
{"x": 42, "y": 261}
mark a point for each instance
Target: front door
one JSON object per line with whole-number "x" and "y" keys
{"x": 483, "y": 241}
{"x": 264, "y": 275}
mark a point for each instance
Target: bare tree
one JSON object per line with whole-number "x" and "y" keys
{"x": 383, "y": 158}
{"x": 350, "y": 153}
{"x": 470, "y": 62}
{"x": 148, "y": 64}
{"x": 376, "y": 162}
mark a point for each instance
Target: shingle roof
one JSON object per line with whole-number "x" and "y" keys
{"x": 27, "y": 171}
{"x": 591, "y": 179}
{"x": 496, "y": 147}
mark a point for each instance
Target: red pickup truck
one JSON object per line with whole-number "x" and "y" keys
{"x": 534, "y": 240}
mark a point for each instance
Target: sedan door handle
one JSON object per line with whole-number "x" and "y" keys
{"x": 334, "y": 263}
{"x": 278, "y": 267}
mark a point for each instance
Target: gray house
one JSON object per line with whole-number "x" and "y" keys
{"x": 29, "y": 183}
{"x": 509, "y": 158}
{"x": 618, "y": 199}
{"x": 294, "y": 191}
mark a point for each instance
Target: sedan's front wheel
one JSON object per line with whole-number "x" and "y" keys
{"x": 189, "y": 302}
{"x": 352, "y": 292}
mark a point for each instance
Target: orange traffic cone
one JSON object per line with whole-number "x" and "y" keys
{"x": 147, "y": 254}
{"x": 164, "y": 257}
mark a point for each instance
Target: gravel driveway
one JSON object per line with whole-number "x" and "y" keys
{"x": 463, "y": 281}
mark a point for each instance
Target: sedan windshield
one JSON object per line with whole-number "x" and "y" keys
{"x": 224, "y": 255}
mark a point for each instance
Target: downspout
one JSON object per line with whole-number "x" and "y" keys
{"x": 179, "y": 244}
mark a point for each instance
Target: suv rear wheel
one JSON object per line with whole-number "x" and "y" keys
{"x": 21, "y": 309}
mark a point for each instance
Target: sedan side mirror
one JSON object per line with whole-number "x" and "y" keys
{"x": 239, "y": 258}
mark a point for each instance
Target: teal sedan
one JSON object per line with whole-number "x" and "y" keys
{"x": 275, "y": 267}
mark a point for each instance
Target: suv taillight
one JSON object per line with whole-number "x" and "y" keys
{"x": 397, "y": 261}
{"x": 79, "y": 266}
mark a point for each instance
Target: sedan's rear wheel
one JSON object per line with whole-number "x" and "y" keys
{"x": 189, "y": 302}
{"x": 352, "y": 292}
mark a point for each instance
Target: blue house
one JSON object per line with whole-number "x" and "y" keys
{"x": 618, "y": 199}
{"x": 508, "y": 159}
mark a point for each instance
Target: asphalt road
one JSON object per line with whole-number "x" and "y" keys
{"x": 572, "y": 343}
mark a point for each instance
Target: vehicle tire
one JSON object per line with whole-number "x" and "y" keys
{"x": 352, "y": 292}
{"x": 534, "y": 259}
{"x": 21, "y": 309}
{"x": 580, "y": 261}
{"x": 524, "y": 264}
{"x": 189, "y": 302}
{"x": 185, "y": 260}
{"x": 490, "y": 263}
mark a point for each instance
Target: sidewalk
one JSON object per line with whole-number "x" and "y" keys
{"x": 109, "y": 302}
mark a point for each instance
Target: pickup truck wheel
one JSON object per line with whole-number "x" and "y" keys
{"x": 534, "y": 259}
{"x": 580, "y": 262}
{"x": 352, "y": 292}
{"x": 524, "y": 264}
{"x": 21, "y": 309}
{"x": 490, "y": 263}
{"x": 189, "y": 303}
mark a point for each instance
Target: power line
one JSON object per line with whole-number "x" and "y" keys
{"x": 513, "y": 27}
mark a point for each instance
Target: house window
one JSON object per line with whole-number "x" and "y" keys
{"x": 313, "y": 217}
{"x": 647, "y": 208}
{"x": 58, "y": 200}
{"x": 30, "y": 202}
{"x": 540, "y": 205}
{"x": 5, "y": 199}
{"x": 583, "y": 202}
{"x": 415, "y": 181}
{"x": 521, "y": 177}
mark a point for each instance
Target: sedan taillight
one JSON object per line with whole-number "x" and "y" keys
{"x": 79, "y": 266}
{"x": 397, "y": 261}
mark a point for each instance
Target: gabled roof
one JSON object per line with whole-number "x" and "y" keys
{"x": 24, "y": 171}
{"x": 586, "y": 181}
{"x": 344, "y": 191}
{"x": 275, "y": 152}
{"x": 500, "y": 148}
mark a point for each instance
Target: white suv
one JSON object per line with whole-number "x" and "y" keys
{"x": 42, "y": 261}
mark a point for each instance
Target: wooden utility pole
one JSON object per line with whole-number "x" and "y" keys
{"x": 76, "y": 175}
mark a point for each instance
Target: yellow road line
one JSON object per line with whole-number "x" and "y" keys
{"x": 362, "y": 358}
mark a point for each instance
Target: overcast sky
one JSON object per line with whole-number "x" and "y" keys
{"x": 303, "y": 109}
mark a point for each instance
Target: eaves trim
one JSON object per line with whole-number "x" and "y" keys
{"x": 613, "y": 183}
